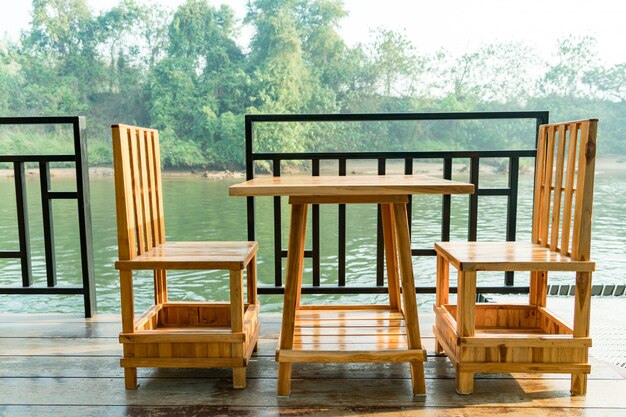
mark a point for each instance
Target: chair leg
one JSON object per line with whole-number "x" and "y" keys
{"x": 239, "y": 378}
{"x": 236, "y": 324}
{"x": 537, "y": 295}
{"x": 251, "y": 281}
{"x": 160, "y": 286}
{"x": 128, "y": 323}
{"x": 466, "y": 322}
{"x": 582, "y": 314}
{"x": 443, "y": 289}
{"x": 130, "y": 378}
{"x": 579, "y": 384}
{"x": 464, "y": 382}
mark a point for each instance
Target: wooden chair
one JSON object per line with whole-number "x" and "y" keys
{"x": 495, "y": 337}
{"x": 175, "y": 334}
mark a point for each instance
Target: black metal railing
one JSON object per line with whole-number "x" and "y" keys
{"x": 81, "y": 195}
{"x": 275, "y": 158}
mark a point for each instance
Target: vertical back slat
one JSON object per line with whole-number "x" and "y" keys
{"x": 569, "y": 187}
{"x": 581, "y": 239}
{"x": 138, "y": 189}
{"x": 558, "y": 186}
{"x": 144, "y": 188}
{"x": 160, "y": 212}
{"x": 544, "y": 214}
{"x": 136, "y": 194}
{"x": 540, "y": 165}
{"x": 154, "y": 226}
{"x": 126, "y": 225}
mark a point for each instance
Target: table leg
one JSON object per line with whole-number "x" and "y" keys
{"x": 408, "y": 294}
{"x": 391, "y": 257}
{"x": 293, "y": 280}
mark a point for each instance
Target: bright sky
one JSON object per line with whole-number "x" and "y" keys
{"x": 457, "y": 25}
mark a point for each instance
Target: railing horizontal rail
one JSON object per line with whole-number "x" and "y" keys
{"x": 258, "y": 156}
{"x": 40, "y": 120}
{"x": 43, "y": 290}
{"x": 361, "y": 117}
{"x": 37, "y": 158}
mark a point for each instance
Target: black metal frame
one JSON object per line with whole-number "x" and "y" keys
{"x": 79, "y": 158}
{"x": 541, "y": 117}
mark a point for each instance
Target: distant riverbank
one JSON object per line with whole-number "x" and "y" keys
{"x": 606, "y": 164}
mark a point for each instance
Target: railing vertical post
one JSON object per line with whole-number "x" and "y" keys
{"x": 48, "y": 226}
{"x": 249, "y": 133}
{"x": 473, "y": 200}
{"x": 446, "y": 202}
{"x": 511, "y": 209}
{"x": 84, "y": 216}
{"x": 22, "y": 223}
{"x": 278, "y": 240}
{"x": 380, "y": 250}
{"x": 315, "y": 219}
{"x": 408, "y": 170}
{"x": 341, "y": 243}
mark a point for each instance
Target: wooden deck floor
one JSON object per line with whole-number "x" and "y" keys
{"x": 62, "y": 365}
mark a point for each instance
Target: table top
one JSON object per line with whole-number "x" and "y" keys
{"x": 349, "y": 185}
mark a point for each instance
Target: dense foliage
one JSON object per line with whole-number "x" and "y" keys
{"x": 184, "y": 73}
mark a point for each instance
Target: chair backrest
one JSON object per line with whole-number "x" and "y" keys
{"x": 564, "y": 174}
{"x": 138, "y": 190}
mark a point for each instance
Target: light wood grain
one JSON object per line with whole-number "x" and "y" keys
{"x": 193, "y": 255}
{"x": 175, "y": 334}
{"x": 293, "y": 281}
{"x": 43, "y": 372}
{"x": 509, "y": 338}
{"x": 405, "y": 260}
{"x": 391, "y": 257}
{"x": 361, "y": 336}
{"x": 508, "y": 256}
{"x": 356, "y": 185}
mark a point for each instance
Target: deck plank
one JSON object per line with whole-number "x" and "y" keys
{"x": 263, "y": 367}
{"x": 524, "y": 393}
{"x": 221, "y": 411}
{"x": 53, "y": 367}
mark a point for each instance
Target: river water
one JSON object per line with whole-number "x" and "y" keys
{"x": 200, "y": 209}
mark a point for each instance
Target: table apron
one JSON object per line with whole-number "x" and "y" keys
{"x": 349, "y": 199}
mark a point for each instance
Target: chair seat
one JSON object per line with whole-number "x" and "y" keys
{"x": 193, "y": 255}
{"x": 508, "y": 256}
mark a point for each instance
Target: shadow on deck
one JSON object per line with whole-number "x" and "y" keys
{"x": 64, "y": 365}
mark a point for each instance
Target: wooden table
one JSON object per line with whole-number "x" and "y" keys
{"x": 344, "y": 334}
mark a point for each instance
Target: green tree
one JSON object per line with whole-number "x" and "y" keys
{"x": 201, "y": 77}
{"x": 395, "y": 62}
{"x": 62, "y": 45}
{"x": 10, "y": 80}
{"x": 608, "y": 83}
{"x": 575, "y": 57}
